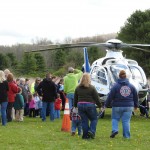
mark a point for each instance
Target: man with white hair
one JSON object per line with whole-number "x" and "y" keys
{"x": 25, "y": 96}
{"x": 6, "y": 72}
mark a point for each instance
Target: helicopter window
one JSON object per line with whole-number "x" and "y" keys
{"x": 98, "y": 75}
{"x": 115, "y": 69}
{"x": 101, "y": 76}
{"x": 93, "y": 73}
{"x": 94, "y": 69}
{"x": 136, "y": 74}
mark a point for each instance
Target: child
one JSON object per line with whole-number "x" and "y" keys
{"x": 60, "y": 90}
{"x": 19, "y": 105}
{"x": 31, "y": 105}
{"x": 76, "y": 121}
{"x": 58, "y": 102}
{"x": 37, "y": 100}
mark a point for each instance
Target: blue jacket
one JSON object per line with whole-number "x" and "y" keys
{"x": 122, "y": 94}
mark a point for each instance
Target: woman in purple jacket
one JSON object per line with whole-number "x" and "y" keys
{"x": 123, "y": 98}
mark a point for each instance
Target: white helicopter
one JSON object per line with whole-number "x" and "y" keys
{"x": 104, "y": 71}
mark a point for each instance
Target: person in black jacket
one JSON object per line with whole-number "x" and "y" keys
{"x": 3, "y": 97}
{"x": 47, "y": 90}
{"x": 85, "y": 98}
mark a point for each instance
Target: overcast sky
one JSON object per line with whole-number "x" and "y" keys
{"x": 24, "y": 20}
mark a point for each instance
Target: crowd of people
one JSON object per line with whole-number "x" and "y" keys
{"x": 44, "y": 98}
{"x": 20, "y": 98}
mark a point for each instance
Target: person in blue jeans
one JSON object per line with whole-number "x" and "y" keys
{"x": 48, "y": 92}
{"x": 3, "y": 97}
{"x": 86, "y": 98}
{"x": 123, "y": 98}
{"x": 76, "y": 121}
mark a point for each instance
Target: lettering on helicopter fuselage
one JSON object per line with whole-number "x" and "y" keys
{"x": 99, "y": 89}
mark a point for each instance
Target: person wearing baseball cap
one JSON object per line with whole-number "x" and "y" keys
{"x": 70, "y": 83}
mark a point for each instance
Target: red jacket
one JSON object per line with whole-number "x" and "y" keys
{"x": 13, "y": 89}
{"x": 57, "y": 103}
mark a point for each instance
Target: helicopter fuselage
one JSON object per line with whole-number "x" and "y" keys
{"x": 105, "y": 72}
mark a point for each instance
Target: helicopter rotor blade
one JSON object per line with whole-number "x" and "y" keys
{"x": 145, "y": 50}
{"x": 60, "y": 47}
{"x": 68, "y": 44}
{"x": 113, "y": 44}
{"x": 141, "y": 45}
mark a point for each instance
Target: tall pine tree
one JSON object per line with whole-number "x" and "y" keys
{"x": 28, "y": 65}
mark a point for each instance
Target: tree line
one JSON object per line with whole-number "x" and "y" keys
{"x": 21, "y": 61}
{"x": 136, "y": 29}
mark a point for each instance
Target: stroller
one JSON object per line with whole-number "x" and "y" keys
{"x": 144, "y": 110}
{"x": 144, "y": 106}
{"x": 101, "y": 114}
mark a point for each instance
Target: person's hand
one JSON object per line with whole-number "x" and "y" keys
{"x": 135, "y": 108}
{"x": 73, "y": 69}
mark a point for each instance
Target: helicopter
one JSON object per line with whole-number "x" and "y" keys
{"x": 104, "y": 71}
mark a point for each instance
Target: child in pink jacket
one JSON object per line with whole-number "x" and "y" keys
{"x": 31, "y": 105}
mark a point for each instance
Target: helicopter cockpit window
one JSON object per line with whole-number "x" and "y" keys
{"x": 115, "y": 69}
{"x": 101, "y": 76}
{"x": 136, "y": 74}
{"x": 98, "y": 75}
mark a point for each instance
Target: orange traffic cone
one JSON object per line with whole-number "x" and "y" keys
{"x": 66, "y": 126}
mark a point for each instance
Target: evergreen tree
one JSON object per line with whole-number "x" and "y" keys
{"x": 95, "y": 53}
{"x": 60, "y": 58}
{"x": 40, "y": 62}
{"x": 28, "y": 64}
{"x": 12, "y": 61}
{"x": 3, "y": 62}
{"x": 137, "y": 30}
{"x": 75, "y": 58}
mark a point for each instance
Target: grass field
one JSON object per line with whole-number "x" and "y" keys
{"x": 33, "y": 134}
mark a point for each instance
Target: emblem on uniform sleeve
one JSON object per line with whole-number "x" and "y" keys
{"x": 125, "y": 91}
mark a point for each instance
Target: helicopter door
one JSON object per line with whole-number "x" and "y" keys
{"x": 100, "y": 79}
{"x": 136, "y": 74}
{"x": 101, "y": 76}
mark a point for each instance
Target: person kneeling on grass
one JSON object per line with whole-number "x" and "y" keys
{"x": 76, "y": 121}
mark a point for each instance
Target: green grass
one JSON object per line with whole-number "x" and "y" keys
{"x": 33, "y": 134}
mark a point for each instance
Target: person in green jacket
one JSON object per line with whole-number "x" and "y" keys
{"x": 70, "y": 83}
{"x": 19, "y": 106}
{"x": 34, "y": 85}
